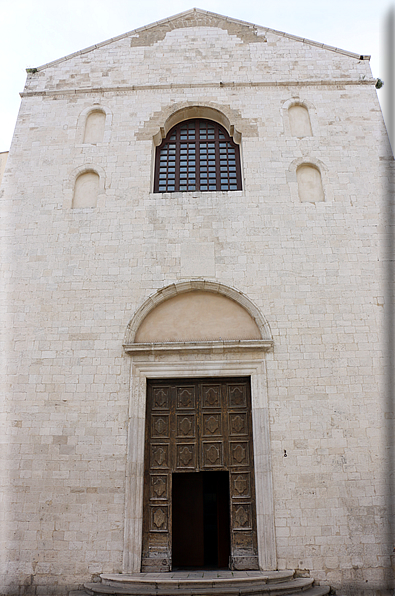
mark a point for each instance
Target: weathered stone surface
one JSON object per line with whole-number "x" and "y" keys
{"x": 318, "y": 272}
{"x": 222, "y": 583}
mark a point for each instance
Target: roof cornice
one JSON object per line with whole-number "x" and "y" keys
{"x": 220, "y": 85}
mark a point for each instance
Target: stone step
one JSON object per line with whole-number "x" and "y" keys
{"x": 311, "y": 591}
{"x": 195, "y": 579}
{"x": 314, "y": 591}
{"x": 244, "y": 587}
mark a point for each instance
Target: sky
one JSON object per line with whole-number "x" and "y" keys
{"x": 35, "y": 32}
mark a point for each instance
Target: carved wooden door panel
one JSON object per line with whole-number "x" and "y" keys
{"x": 198, "y": 425}
{"x": 244, "y": 553}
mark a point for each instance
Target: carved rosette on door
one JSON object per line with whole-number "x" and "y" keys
{"x": 191, "y": 426}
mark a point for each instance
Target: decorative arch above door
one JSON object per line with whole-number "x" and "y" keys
{"x": 197, "y": 311}
{"x": 230, "y": 342}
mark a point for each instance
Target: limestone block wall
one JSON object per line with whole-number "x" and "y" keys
{"x": 317, "y": 271}
{"x": 3, "y": 161}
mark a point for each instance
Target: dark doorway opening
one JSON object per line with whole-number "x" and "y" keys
{"x": 200, "y": 520}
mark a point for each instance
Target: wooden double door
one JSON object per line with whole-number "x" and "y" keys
{"x": 199, "y": 491}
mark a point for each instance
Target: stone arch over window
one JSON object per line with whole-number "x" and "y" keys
{"x": 309, "y": 180}
{"x": 94, "y": 127}
{"x": 197, "y": 311}
{"x": 86, "y": 190}
{"x": 189, "y": 112}
{"x": 300, "y": 123}
{"x": 197, "y": 154}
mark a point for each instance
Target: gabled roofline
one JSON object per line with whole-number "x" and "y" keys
{"x": 262, "y": 29}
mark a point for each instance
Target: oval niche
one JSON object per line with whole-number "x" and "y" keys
{"x": 197, "y": 316}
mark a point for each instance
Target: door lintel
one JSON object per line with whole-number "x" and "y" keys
{"x": 212, "y": 346}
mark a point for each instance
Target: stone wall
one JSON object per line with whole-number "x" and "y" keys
{"x": 3, "y": 161}
{"x": 318, "y": 271}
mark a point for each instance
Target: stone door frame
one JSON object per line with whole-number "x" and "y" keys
{"x": 214, "y": 359}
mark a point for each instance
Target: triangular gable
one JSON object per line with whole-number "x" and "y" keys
{"x": 195, "y": 17}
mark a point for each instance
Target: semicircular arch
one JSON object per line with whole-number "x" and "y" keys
{"x": 191, "y": 112}
{"x": 244, "y": 310}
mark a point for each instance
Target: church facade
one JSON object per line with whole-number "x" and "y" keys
{"x": 196, "y": 266}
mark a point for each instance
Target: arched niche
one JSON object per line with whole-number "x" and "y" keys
{"x": 299, "y": 118}
{"x": 86, "y": 190}
{"x": 94, "y": 127}
{"x": 197, "y": 311}
{"x": 300, "y": 124}
{"x": 309, "y": 181}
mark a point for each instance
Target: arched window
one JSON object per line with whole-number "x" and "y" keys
{"x": 197, "y": 155}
